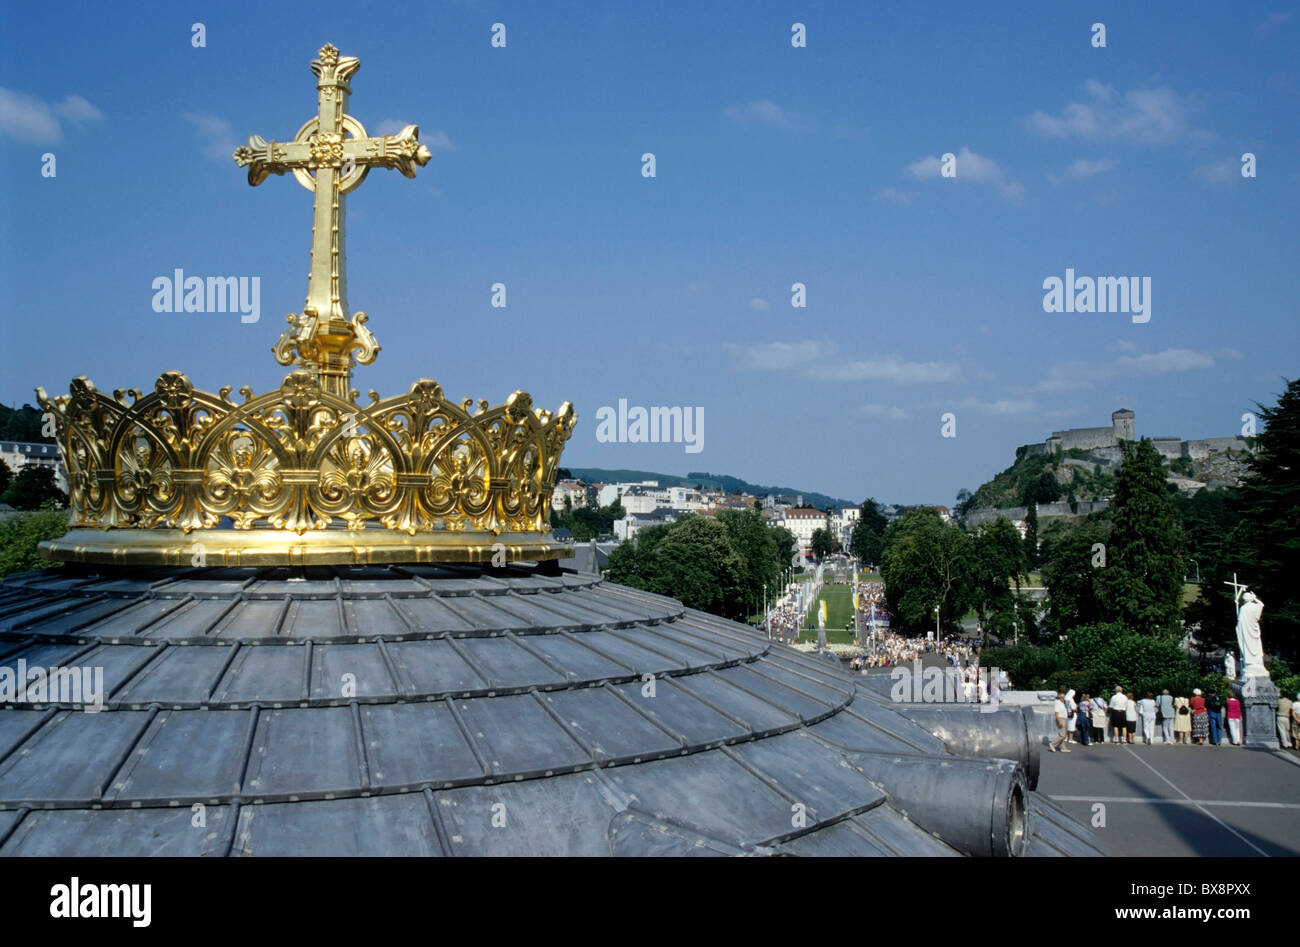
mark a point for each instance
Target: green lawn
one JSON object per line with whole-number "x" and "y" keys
{"x": 839, "y": 609}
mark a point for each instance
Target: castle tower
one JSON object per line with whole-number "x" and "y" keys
{"x": 1122, "y": 421}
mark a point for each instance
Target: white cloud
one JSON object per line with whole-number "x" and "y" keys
{"x": 1122, "y": 345}
{"x": 1170, "y": 360}
{"x": 782, "y": 356}
{"x": 969, "y": 167}
{"x": 1140, "y": 116}
{"x": 1220, "y": 172}
{"x": 817, "y": 360}
{"x": 218, "y": 137}
{"x": 76, "y": 109}
{"x": 893, "y": 195}
{"x": 1083, "y": 168}
{"x": 761, "y": 305}
{"x": 887, "y": 411}
{"x": 768, "y": 113}
{"x": 1004, "y": 407}
{"x": 31, "y": 121}
{"x": 1076, "y": 375}
{"x": 1274, "y": 21}
{"x": 891, "y": 369}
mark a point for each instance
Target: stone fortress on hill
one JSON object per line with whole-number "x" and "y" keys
{"x": 1194, "y": 465}
{"x": 1102, "y": 443}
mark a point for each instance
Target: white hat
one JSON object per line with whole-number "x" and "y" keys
{"x": 1196, "y": 690}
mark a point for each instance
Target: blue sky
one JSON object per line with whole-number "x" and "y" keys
{"x": 774, "y": 165}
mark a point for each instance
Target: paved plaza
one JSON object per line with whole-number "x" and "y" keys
{"x": 1180, "y": 800}
{"x": 1169, "y": 799}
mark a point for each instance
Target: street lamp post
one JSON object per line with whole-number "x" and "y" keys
{"x": 1198, "y": 569}
{"x": 767, "y": 615}
{"x": 936, "y": 623}
{"x": 853, "y": 594}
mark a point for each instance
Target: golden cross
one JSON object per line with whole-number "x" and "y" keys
{"x": 323, "y": 338}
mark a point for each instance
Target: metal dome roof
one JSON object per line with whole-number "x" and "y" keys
{"x": 453, "y": 710}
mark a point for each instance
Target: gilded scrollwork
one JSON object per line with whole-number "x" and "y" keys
{"x": 300, "y": 458}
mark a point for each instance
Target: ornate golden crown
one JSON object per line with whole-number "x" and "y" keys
{"x": 304, "y": 474}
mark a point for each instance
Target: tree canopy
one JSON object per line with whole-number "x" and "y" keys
{"x": 1265, "y": 548}
{"x": 1141, "y": 584}
{"x": 997, "y": 563}
{"x": 31, "y": 488}
{"x": 926, "y": 563}
{"x": 588, "y": 522}
{"x": 717, "y": 564}
{"x": 867, "y": 540}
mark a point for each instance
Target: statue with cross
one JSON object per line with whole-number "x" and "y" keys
{"x": 326, "y": 161}
{"x": 1249, "y": 641}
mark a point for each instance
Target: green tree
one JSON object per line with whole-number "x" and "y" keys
{"x": 23, "y": 424}
{"x": 1266, "y": 549}
{"x": 962, "y": 504}
{"x": 997, "y": 563}
{"x": 925, "y": 563}
{"x": 1031, "y": 537}
{"x": 786, "y": 547}
{"x": 691, "y": 560}
{"x": 872, "y": 516}
{"x": 867, "y": 541}
{"x": 1141, "y": 584}
{"x": 822, "y": 543}
{"x": 1070, "y": 575}
{"x": 753, "y": 541}
{"x": 1042, "y": 489}
{"x": 588, "y": 522}
{"x": 32, "y": 487}
{"x": 21, "y": 532}
{"x": 6, "y": 477}
{"x": 1210, "y": 518}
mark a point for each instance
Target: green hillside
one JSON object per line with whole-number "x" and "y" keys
{"x": 1043, "y": 478}
{"x": 22, "y": 424}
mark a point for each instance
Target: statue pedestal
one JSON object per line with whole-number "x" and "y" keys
{"x": 1258, "y": 696}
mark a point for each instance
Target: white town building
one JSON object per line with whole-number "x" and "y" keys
{"x": 803, "y": 523}
{"x": 20, "y": 454}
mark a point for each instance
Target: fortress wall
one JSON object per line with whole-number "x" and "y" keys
{"x": 1018, "y": 513}
{"x": 1168, "y": 446}
{"x": 1201, "y": 449}
{"x": 1013, "y": 513}
{"x": 1087, "y": 438}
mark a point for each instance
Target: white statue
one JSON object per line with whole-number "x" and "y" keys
{"x": 1230, "y": 666}
{"x": 1248, "y": 636}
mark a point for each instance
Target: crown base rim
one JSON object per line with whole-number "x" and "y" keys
{"x": 224, "y": 547}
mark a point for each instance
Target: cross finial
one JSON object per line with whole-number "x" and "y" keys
{"x": 325, "y": 160}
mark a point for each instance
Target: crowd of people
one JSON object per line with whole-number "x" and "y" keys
{"x": 1179, "y": 720}
{"x": 784, "y": 622}
{"x": 889, "y": 649}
